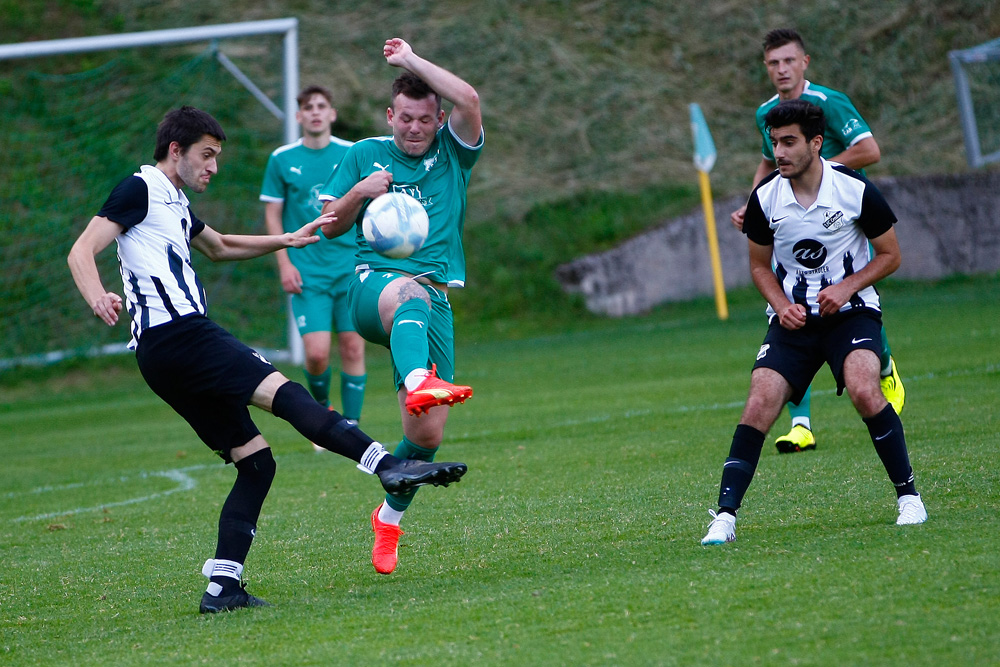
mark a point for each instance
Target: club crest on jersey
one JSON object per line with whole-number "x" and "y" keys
{"x": 431, "y": 161}
{"x": 834, "y": 221}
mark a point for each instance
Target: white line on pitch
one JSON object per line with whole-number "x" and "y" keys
{"x": 184, "y": 483}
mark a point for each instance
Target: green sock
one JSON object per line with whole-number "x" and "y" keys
{"x": 408, "y": 338}
{"x": 886, "y": 356}
{"x": 352, "y": 394}
{"x": 319, "y": 385}
{"x": 408, "y": 450}
{"x": 800, "y": 413}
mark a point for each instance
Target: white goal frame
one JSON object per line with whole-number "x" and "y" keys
{"x": 959, "y": 59}
{"x": 288, "y": 27}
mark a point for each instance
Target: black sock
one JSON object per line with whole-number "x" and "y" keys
{"x": 327, "y": 428}
{"x": 886, "y": 431}
{"x": 238, "y": 519}
{"x": 738, "y": 471}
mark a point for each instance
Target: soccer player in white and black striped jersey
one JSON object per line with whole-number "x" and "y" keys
{"x": 197, "y": 367}
{"x": 815, "y": 219}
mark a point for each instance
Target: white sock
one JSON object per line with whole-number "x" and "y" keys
{"x": 802, "y": 421}
{"x": 414, "y": 378}
{"x": 220, "y": 568}
{"x": 388, "y": 515}
{"x": 369, "y": 460}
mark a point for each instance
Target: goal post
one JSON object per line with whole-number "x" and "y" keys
{"x": 31, "y": 185}
{"x": 976, "y": 71}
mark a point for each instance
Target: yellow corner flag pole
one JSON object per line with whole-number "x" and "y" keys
{"x": 704, "y": 160}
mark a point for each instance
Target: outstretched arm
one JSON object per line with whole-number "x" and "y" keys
{"x": 98, "y": 235}
{"x": 466, "y": 117}
{"x": 228, "y": 247}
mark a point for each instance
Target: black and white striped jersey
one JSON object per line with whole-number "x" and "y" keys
{"x": 154, "y": 251}
{"x": 821, "y": 245}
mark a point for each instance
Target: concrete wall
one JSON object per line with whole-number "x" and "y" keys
{"x": 947, "y": 224}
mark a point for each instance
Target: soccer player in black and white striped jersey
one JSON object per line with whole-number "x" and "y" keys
{"x": 815, "y": 220}
{"x": 200, "y": 369}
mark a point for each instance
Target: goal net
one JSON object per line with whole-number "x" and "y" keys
{"x": 977, "y": 86}
{"x": 75, "y": 125}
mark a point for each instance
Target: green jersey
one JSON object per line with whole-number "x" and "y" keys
{"x": 438, "y": 179}
{"x": 844, "y": 125}
{"x": 293, "y": 177}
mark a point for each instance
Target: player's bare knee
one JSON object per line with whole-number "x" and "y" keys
{"x": 868, "y": 400}
{"x": 316, "y": 362}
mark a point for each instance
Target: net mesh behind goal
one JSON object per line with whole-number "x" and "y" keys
{"x": 73, "y": 128}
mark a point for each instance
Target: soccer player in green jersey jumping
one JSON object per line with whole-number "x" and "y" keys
{"x": 316, "y": 276}
{"x": 847, "y": 140}
{"x": 403, "y": 303}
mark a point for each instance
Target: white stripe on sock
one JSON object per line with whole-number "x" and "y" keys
{"x": 371, "y": 457}
{"x": 227, "y": 568}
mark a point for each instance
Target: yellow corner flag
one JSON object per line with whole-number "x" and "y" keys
{"x": 704, "y": 160}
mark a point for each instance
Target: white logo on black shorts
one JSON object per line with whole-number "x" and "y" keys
{"x": 763, "y": 351}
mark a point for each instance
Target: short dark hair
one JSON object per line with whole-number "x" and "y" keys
{"x": 186, "y": 126}
{"x": 414, "y": 87}
{"x": 806, "y": 115}
{"x": 309, "y": 91}
{"x": 780, "y": 37}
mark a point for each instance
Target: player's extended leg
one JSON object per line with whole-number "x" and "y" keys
{"x": 801, "y": 437}
{"x": 886, "y": 431}
{"x": 889, "y": 380}
{"x": 769, "y": 391}
{"x": 328, "y": 428}
{"x": 237, "y": 527}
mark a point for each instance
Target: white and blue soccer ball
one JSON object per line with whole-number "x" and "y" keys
{"x": 395, "y": 225}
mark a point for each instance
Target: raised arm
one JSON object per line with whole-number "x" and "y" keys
{"x": 466, "y": 116}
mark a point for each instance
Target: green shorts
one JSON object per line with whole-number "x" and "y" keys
{"x": 319, "y": 309}
{"x": 364, "y": 292}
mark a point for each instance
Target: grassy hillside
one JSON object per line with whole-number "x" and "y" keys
{"x": 593, "y": 95}
{"x": 586, "y": 110}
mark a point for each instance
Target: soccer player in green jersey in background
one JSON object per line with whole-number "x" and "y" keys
{"x": 316, "y": 276}
{"x": 403, "y": 303}
{"x": 847, "y": 140}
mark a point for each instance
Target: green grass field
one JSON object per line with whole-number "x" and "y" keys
{"x": 594, "y": 452}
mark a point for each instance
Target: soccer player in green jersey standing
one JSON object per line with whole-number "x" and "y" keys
{"x": 316, "y": 276}
{"x": 847, "y": 140}
{"x": 403, "y": 303}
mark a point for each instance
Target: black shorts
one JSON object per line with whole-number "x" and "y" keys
{"x": 798, "y": 355}
{"x": 204, "y": 373}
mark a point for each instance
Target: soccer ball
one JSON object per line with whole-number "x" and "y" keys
{"x": 395, "y": 225}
